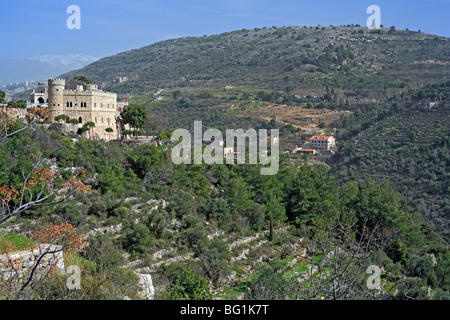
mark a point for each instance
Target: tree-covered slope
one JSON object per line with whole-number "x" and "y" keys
{"x": 405, "y": 145}
{"x": 347, "y": 57}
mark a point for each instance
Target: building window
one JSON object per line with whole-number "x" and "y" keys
{"x": 80, "y": 120}
{"x": 71, "y": 104}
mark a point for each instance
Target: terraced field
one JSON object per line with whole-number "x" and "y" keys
{"x": 410, "y": 150}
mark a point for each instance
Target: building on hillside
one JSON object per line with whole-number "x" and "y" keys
{"x": 120, "y": 80}
{"x": 427, "y": 104}
{"x": 122, "y": 105}
{"x": 8, "y": 98}
{"x": 39, "y": 97}
{"x": 84, "y": 102}
{"x": 305, "y": 151}
{"x": 323, "y": 142}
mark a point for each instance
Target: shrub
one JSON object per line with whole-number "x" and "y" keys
{"x": 135, "y": 239}
{"x": 186, "y": 284}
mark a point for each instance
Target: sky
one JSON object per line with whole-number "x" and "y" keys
{"x": 38, "y": 27}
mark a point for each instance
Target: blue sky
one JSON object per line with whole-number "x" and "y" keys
{"x": 29, "y": 27}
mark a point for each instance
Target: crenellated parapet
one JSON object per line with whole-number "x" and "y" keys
{"x": 86, "y": 103}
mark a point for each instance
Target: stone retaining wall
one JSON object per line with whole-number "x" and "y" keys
{"x": 19, "y": 264}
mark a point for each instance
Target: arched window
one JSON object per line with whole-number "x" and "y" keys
{"x": 71, "y": 104}
{"x": 67, "y": 104}
{"x": 80, "y": 120}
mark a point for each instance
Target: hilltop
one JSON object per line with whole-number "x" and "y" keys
{"x": 366, "y": 62}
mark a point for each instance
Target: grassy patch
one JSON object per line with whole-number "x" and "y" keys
{"x": 14, "y": 242}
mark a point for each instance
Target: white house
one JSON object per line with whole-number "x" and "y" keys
{"x": 323, "y": 142}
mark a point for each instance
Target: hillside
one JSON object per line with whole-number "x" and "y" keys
{"x": 353, "y": 58}
{"x": 405, "y": 145}
{"x": 220, "y": 232}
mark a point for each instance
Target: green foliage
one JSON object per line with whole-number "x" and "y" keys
{"x": 215, "y": 257}
{"x": 216, "y": 209}
{"x": 239, "y": 193}
{"x": 104, "y": 253}
{"x": 255, "y": 215}
{"x": 441, "y": 295}
{"x": 407, "y": 148}
{"x": 144, "y": 158}
{"x": 186, "y": 284}
{"x": 18, "y": 104}
{"x": 157, "y": 179}
{"x": 62, "y": 117}
{"x": 182, "y": 204}
{"x": 189, "y": 62}
{"x": 16, "y": 242}
{"x": 396, "y": 250}
{"x": 74, "y": 121}
{"x": 422, "y": 267}
{"x": 156, "y": 222}
{"x": 310, "y": 194}
{"x": 136, "y": 239}
{"x": 71, "y": 213}
{"x": 98, "y": 282}
{"x": 134, "y": 116}
{"x": 83, "y": 79}
{"x": 442, "y": 270}
{"x": 268, "y": 283}
{"x": 234, "y": 199}
{"x": 193, "y": 232}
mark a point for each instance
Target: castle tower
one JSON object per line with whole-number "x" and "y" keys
{"x": 56, "y": 97}
{"x": 92, "y": 87}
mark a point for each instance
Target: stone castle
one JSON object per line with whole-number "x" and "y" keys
{"x": 85, "y": 103}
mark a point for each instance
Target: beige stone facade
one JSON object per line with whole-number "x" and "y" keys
{"x": 86, "y": 103}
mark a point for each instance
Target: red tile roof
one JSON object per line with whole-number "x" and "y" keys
{"x": 321, "y": 137}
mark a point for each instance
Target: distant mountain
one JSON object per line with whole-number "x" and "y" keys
{"x": 41, "y": 67}
{"x": 347, "y": 57}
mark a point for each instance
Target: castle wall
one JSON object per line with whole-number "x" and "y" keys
{"x": 86, "y": 105}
